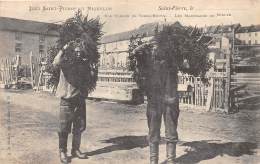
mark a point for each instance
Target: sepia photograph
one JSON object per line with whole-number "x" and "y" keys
{"x": 130, "y": 82}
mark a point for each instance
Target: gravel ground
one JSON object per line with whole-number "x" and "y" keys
{"x": 116, "y": 133}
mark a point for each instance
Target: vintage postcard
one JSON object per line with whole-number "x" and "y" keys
{"x": 130, "y": 82}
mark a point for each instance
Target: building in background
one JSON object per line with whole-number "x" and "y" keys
{"x": 115, "y": 81}
{"x": 114, "y": 48}
{"x": 247, "y": 55}
{"x": 20, "y": 37}
{"x": 249, "y": 35}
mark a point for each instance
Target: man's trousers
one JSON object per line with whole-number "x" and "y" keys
{"x": 72, "y": 112}
{"x": 157, "y": 108}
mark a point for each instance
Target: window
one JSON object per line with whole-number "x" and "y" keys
{"x": 18, "y": 36}
{"x": 238, "y": 35}
{"x": 18, "y": 47}
{"x": 256, "y": 42}
{"x": 249, "y": 34}
{"x": 249, "y": 42}
{"x": 256, "y": 34}
{"x": 41, "y": 49}
{"x": 41, "y": 38}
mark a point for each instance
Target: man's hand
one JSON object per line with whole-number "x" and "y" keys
{"x": 57, "y": 60}
{"x": 186, "y": 64}
{"x": 92, "y": 73}
{"x": 65, "y": 46}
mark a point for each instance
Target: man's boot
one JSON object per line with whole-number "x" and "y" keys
{"x": 154, "y": 153}
{"x": 75, "y": 152}
{"x": 63, "y": 138}
{"x": 171, "y": 152}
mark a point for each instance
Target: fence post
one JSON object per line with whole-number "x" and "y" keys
{"x": 5, "y": 73}
{"x": 32, "y": 68}
{"x": 228, "y": 74}
{"x": 17, "y": 67}
{"x": 9, "y": 69}
{"x": 210, "y": 95}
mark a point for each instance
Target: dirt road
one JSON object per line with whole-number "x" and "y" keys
{"x": 116, "y": 133}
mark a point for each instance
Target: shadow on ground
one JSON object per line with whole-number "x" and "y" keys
{"x": 205, "y": 150}
{"x": 122, "y": 143}
{"x": 196, "y": 150}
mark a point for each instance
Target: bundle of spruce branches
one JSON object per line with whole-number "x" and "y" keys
{"x": 82, "y": 33}
{"x": 176, "y": 46}
{"x": 140, "y": 60}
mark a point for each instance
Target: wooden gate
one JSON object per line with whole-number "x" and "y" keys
{"x": 209, "y": 96}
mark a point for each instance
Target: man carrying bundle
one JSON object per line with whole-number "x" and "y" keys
{"x": 73, "y": 65}
{"x": 72, "y": 105}
{"x": 163, "y": 102}
{"x": 156, "y": 64}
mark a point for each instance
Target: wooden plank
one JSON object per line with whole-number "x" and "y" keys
{"x": 32, "y": 69}
{"x": 1, "y": 72}
{"x": 218, "y": 93}
{"x": 196, "y": 93}
{"x": 249, "y": 97}
{"x": 5, "y": 72}
{"x": 39, "y": 81}
{"x": 9, "y": 71}
{"x": 3, "y": 69}
{"x": 210, "y": 95}
{"x": 214, "y": 95}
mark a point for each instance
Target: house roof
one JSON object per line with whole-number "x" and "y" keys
{"x": 221, "y": 28}
{"x": 12, "y": 24}
{"x": 252, "y": 28}
{"x": 147, "y": 29}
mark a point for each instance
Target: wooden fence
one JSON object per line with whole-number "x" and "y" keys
{"x": 39, "y": 77}
{"x": 12, "y": 73}
{"x": 209, "y": 96}
{"x": 9, "y": 68}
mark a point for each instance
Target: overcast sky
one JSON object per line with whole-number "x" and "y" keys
{"x": 137, "y": 12}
